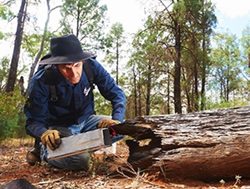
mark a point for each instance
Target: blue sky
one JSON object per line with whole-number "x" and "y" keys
{"x": 233, "y": 16}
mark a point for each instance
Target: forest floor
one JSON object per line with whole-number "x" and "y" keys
{"x": 107, "y": 172}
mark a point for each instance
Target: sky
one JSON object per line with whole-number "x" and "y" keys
{"x": 128, "y": 12}
{"x": 233, "y": 16}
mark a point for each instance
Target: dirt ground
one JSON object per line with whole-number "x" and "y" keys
{"x": 107, "y": 172}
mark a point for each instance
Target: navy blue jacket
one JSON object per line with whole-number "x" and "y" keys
{"x": 75, "y": 102}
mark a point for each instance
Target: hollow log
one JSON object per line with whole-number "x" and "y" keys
{"x": 205, "y": 145}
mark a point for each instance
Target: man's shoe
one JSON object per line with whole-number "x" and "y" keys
{"x": 33, "y": 156}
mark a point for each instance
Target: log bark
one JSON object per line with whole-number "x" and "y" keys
{"x": 205, "y": 145}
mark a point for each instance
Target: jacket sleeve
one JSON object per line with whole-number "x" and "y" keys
{"x": 110, "y": 91}
{"x": 36, "y": 109}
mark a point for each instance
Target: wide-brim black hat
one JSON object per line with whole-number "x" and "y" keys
{"x": 64, "y": 50}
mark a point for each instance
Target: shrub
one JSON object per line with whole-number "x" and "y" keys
{"x": 228, "y": 104}
{"x": 11, "y": 106}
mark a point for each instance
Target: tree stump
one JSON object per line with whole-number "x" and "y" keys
{"x": 204, "y": 145}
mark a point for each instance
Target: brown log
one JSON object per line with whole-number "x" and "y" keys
{"x": 204, "y": 145}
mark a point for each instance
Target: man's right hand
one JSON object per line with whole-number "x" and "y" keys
{"x": 51, "y": 139}
{"x": 105, "y": 123}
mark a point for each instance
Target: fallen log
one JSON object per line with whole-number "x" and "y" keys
{"x": 204, "y": 145}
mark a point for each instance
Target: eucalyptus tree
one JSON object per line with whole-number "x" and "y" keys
{"x": 188, "y": 25}
{"x": 171, "y": 22}
{"x": 208, "y": 23}
{"x": 147, "y": 66}
{"x": 17, "y": 46}
{"x": 41, "y": 41}
{"x": 135, "y": 98}
{"x": 85, "y": 19}
{"x": 199, "y": 23}
{"x": 5, "y": 15}
{"x": 245, "y": 43}
{"x": 114, "y": 41}
{"x": 225, "y": 72}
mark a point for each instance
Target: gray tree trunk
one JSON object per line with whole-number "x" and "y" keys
{"x": 17, "y": 46}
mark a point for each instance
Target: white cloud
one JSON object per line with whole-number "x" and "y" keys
{"x": 232, "y": 8}
{"x": 130, "y": 13}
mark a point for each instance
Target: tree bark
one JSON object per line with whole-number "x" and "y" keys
{"x": 204, "y": 145}
{"x": 39, "y": 53}
{"x": 204, "y": 66}
{"x": 139, "y": 96}
{"x": 17, "y": 46}
{"x": 117, "y": 62}
{"x": 135, "y": 92}
{"x": 177, "y": 70}
{"x": 148, "y": 89}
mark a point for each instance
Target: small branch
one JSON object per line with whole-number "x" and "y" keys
{"x": 49, "y": 181}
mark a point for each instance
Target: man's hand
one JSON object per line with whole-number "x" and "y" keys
{"x": 51, "y": 139}
{"x": 105, "y": 123}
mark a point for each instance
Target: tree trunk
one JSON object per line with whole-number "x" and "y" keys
{"x": 148, "y": 93}
{"x": 196, "y": 85}
{"x": 204, "y": 145}
{"x": 17, "y": 46}
{"x": 177, "y": 71}
{"x": 168, "y": 94}
{"x": 39, "y": 53}
{"x": 203, "y": 71}
{"x": 117, "y": 62}
{"x": 188, "y": 92}
{"x": 248, "y": 60}
{"x": 135, "y": 93}
{"x": 139, "y": 96}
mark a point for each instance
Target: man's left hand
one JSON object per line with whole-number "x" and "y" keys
{"x": 105, "y": 123}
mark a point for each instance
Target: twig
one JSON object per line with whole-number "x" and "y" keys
{"x": 128, "y": 169}
{"x": 49, "y": 181}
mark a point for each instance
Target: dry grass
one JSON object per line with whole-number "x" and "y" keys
{"x": 17, "y": 142}
{"x": 108, "y": 172}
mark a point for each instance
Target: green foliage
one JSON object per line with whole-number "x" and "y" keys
{"x": 102, "y": 106}
{"x": 11, "y": 105}
{"x": 113, "y": 42}
{"x": 226, "y": 104}
{"x": 4, "y": 71}
{"x": 149, "y": 63}
{"x": 245, "y": 40}
{"x": 245, "y": 43}
{"x": 84, "y": 18}
{"x": 150, "y": 72}
{"x": 226, "y": 65}
{"x": 4, "y": 68}
{"x": 32, "y": 43}
{"x": 5, "y": 12}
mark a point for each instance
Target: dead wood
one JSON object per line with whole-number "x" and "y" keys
{"x": 204, "y": 145}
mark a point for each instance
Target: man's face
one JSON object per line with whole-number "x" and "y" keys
{"x": 72, "y": 72}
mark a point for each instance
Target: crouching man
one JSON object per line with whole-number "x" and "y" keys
{"x": 61, "y": 101}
